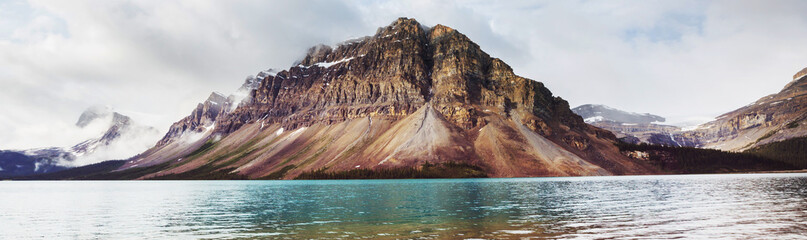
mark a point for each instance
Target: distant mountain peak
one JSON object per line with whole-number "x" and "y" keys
{"x": 93, "y": 113}
{"x": 96, "y": 113}
{"x": 597, "y": 112}
{"x": 121, "y": 138}
{"x": 119, "y": 126}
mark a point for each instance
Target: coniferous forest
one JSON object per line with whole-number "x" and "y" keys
{"x": 689, "y": 160}
{"x": 792, "y": 151}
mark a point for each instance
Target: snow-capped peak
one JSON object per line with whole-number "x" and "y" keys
{"x": 93, "y": 113}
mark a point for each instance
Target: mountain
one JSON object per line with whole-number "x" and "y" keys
{"x": 120, "y": 125}
{"x": 408, "y": 97}
{"x": 628, "y": 126}
{"x": 773, "y": 127}
{"x": 120, "y": 132}
{"x": 773, "y": 118}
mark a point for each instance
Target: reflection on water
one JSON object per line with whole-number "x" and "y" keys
{"x": 772, "y": 206}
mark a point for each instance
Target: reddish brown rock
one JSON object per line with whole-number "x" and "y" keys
{"x": 402, "y": 97}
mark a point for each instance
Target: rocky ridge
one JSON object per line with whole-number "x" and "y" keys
{"x": 207, "y": 113}
{"x": 772, "y": 118}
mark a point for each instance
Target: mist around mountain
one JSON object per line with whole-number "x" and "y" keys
{"x": 116, "y": 137}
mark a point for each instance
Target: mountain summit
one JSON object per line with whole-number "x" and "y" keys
{"x": 408, "y": 96}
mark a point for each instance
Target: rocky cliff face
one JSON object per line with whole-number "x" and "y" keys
{"x": 206, "y": 114}
{"x": 798, "y": 76}
{"x": 405, "y": 96}
{"x": 201, "y": 118}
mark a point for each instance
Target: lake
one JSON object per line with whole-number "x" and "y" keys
{"x": 732, "y": 206}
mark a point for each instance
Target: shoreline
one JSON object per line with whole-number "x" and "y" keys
{"x": 637, "y": 175}
{"x": 783, "y": 171}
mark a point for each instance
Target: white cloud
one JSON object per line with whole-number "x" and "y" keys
{"x": 158, "y": 59}
{"x": 685, "y": 60}
{"x": 131, "y": 142}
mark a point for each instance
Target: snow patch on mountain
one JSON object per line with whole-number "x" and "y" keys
{"x": 690, "y": 128}
{"x": 594, "y": 119}
{"x": 329, "y": 64}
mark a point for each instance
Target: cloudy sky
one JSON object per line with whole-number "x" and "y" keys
{"x": 154, "y": 60}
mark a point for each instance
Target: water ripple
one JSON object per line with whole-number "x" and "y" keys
{"x": 762, "y": 206}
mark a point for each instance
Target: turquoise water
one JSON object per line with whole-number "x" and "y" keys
{"x": 740, "y": 206}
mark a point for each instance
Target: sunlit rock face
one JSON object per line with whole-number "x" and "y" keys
{"x": 407, "y": 95}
